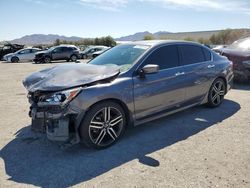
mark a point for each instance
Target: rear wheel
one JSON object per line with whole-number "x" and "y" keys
{"x": 216, "y": 93}
{"x": 14, "y": 59}
{"x": 103, "y": 125}
{"x": 73, "y": 58}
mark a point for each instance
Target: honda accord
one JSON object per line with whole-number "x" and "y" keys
{"x": 128, "y": 85}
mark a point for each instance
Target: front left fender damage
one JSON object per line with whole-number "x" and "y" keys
{"x": 61, "y": 122}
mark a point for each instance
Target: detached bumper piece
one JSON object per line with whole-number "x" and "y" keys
{"x": 56, "y": 124}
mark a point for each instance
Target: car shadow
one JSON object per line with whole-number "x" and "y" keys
{"x": 32, "y": 159}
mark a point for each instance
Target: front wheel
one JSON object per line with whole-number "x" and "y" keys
{"x": 103, "y": 125}
{"x": 47, "y": 59}
{"x": 14, "y": 60}
{"x": 216, "y": 93}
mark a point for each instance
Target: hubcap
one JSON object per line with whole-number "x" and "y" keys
{"x": 73, "y": 58}
{"x": 46, "y": 60}
{"x": 218, "y": 92}
{"x": 106, "y": 126}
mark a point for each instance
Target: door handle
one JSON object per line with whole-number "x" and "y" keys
{"x": 210, "y": 66}
{"x": 179, "y": 73}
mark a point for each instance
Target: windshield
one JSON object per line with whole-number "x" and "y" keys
{"x": 19, "y": 51}
{"x": 88, "y": 48}
{"x": 123, "y": 56}
{"x": 242, "y": 44}
{"x": 52, "y": 48}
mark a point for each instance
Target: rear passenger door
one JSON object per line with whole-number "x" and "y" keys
{"x": 195, "y": 61}
{"x": 66, "y": 52}
{"x": 163, "y": 90}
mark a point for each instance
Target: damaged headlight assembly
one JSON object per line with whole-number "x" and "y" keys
{"x": 60, "y": 98}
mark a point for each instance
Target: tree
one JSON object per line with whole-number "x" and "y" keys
{"x": 57, "y": 42}
{"x": 189, "y": 39}
{"x": 204, "y": 41}
{"x": 148, "y": 37}
{"x": 228, "y": 36}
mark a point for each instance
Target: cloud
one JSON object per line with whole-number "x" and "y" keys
{"x": 240, "y": 6}
{"x": 205, "y": 5}
{"x": 111, "y": 5}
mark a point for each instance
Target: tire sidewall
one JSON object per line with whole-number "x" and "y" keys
{"x": 49, "y": 59}
{"x": 210, "y": 103}
{"x": 14, "y": 60}
{"x": 84, "y": 127}
{"x": 72, "y": 57}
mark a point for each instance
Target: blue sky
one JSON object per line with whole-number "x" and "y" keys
{"x": 95, "y": 18}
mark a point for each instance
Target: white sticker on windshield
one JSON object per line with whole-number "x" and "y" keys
{"x": 141, "y": 47}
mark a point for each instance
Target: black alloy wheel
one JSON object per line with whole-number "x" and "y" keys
{"x": 103, "y": 125}
{"x": 216, "y": 93}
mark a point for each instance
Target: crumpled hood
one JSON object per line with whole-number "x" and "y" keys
{"x": 42, "y": 52}
{"x": 68, "y": 76}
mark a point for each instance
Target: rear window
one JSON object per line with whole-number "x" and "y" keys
{"x": 191, "y": 54}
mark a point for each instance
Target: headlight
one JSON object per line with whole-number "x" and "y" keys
{"x": 60, "y": 98}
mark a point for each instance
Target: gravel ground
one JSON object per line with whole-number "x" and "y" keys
{"x": 199, "y": 147}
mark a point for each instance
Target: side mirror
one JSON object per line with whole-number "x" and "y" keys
{"x": 148, "y": 69}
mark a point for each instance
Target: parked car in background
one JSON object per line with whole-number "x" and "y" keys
{"x": 239, "y": 54}
{"x": 129, "y": 84}
{"x": 26, "y": 54}
{"x": 88, "y": 52}
{"x": 62, "y": 52}
{"x": 218, "y": 47}
{"x": 95, "y": 54}
{"x": 9, "y": 48}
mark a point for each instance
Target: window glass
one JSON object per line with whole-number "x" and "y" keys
{"x": 191, "y": 54}
{"x": 207, "y": 54}
{"x": 24, "y": 51}
{"x": 6, "y": 47}
{"x": 57, "y": 50}
{"x": 65, "y": 49}
{"x": 121, "y": 55}
{"x": 34, "y": 50}
{"x": 166, "y": 57}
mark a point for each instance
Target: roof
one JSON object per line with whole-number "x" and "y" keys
{"x": 158, "y": 42}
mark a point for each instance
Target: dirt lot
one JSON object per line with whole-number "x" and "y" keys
{"x": 199, "y": 147}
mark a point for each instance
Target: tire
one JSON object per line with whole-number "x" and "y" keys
{"x": 14, "y": 60}
{"x": 47, "y": 59}
{"x": 216, "y": 93}
{"x": 84, "y": 57}
{"x": 73, "y": 58}
{"x": 96, "y": 132}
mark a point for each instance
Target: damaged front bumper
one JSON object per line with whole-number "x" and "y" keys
{"x": 59, "y": 122}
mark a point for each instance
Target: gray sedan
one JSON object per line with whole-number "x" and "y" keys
{"x": 27, "y": 54}
{"x": 128, "y": 85}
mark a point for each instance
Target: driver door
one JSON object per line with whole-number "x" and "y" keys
{"x": 57, "y": 53}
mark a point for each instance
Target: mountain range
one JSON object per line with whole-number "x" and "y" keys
{"x": 35, "y": 39}
{"x": 42, "y": 39}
